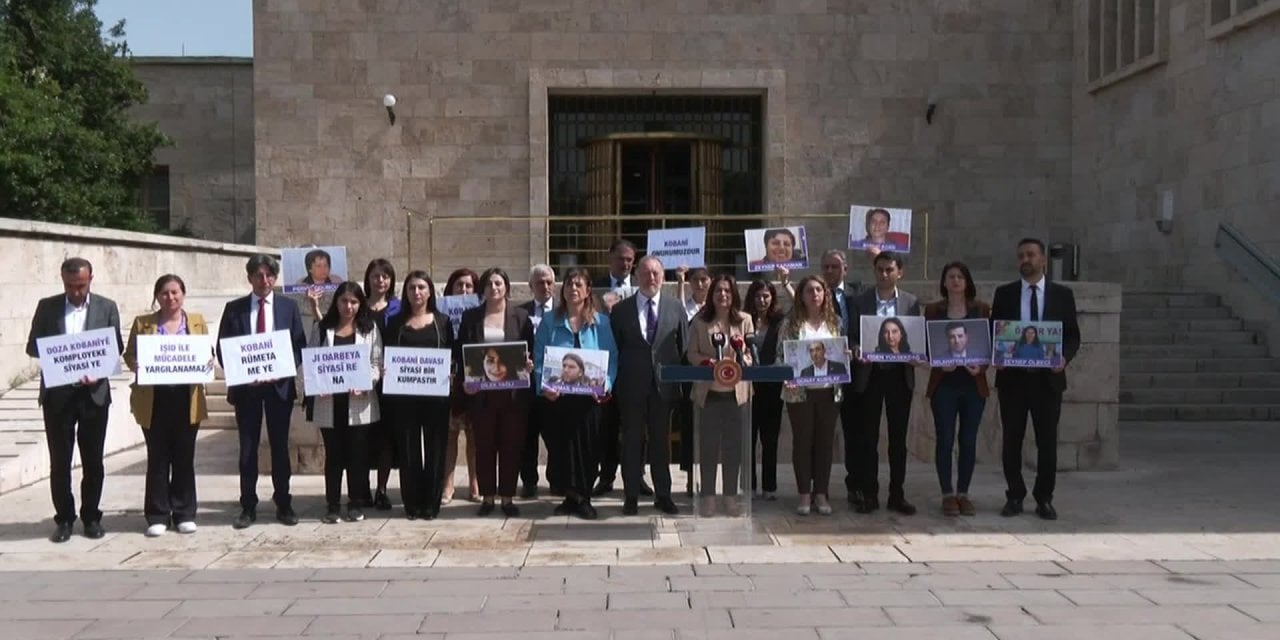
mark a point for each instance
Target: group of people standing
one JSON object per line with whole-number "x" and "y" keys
{"x": 587, "y": 437}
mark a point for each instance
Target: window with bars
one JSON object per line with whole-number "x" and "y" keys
{"x": 1225, "y": 16}
{"x": 153, "y": 196}
{"x": 1125, "y": 37}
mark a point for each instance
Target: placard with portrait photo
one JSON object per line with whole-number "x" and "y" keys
{"x": 575, "y": 371}
{"x": 491, "y": 366}
{"x": 303, "y": 269}
{"x": 959, "y": 343}
{"x": 769, "y": 249}
{"x": 893, "y": 339}
{"x": 1032, "y": 345}
{"x": 818, "y": 361}
{"x": 879, "y": 228}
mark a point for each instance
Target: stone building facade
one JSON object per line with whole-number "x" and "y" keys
{"x": 204, "y": 181}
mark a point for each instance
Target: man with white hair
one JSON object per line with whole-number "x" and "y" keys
{"x": 542, "y": 281}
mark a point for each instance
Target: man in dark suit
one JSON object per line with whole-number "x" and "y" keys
{"x": 835, "y": 268}
{"x": 78, "y": 412}
{"x": 542, "y": 282}
{"x": 1036, "y": 391}
{"x": 821, "y": 366}
{"x": 650, "y": 331}
{"x": 263, "y": 312}
{"x": 622, "y": 258}
{"x": 887, "y": 384}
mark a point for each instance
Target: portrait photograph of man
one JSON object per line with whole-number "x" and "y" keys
{"x": 880, "y": 228}
{"x": 818, "y": 361}
{"x": 959, "y": 343}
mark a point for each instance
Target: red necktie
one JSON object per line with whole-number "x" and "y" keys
{"x": 262, "y": 315}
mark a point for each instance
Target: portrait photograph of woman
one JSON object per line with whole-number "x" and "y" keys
{"x": 893, "y": 338}
{"x": 1027, "y": 344}
{"x": 495, "y": 365}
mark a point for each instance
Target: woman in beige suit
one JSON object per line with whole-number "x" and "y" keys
{"x": 721, "y": 408}
{"x": 169, "y": 415}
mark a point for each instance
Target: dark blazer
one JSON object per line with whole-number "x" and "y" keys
{"x": 528, "y": 307}
{"x": 287, "y": 317}
{"x": 834, "y": 368}
{"x": 938, "y": 311}
{"x": 852, "y": 289}
{"x": 1059, "y": 306}
{"x": 606, "y": 281}
{"x": 50, "y": 320}
{"x": 516, "y": 326}
{"x": 865, "y": 305}
{"x": 638, "y": 361}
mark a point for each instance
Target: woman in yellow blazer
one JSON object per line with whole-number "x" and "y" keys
{"x": 721, "y": 408}
{"x": 170, "y": 416}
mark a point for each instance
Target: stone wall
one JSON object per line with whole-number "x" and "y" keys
{"x": 846, "y": 85}
{"x": 1205, "y": 124}
{"x": 205, "y": 105}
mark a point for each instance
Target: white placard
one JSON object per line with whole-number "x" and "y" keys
{"x": 416, "y": 371}
{"x": 454, "y": 306}
{"x": 678, "y": 247}
{"x": 66, "y": 359}
{"x": 575, "y": 371}
{"x": 175, "y": 359}
{"x": 340, "y": 369}
{"x": 257, "y": 357}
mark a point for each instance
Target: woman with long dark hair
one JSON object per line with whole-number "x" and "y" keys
{"x": 892, "y": 337}
{"x": 498, "y": 417}
{"x": 344, "y": 418}
{"x": 380, "y": 289}
{"x": 766, "y": 404}
{"x": 957, "y": 392}
{"x": 421, "y": 423}
{"x": 462, "y": 282}
{"x": 575, "y": 435}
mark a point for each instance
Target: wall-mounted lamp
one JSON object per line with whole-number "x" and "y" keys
{"x": 389, "y": 101}
{"x": 1164, "y": 221}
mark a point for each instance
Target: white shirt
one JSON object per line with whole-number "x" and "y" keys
{"x": 539, "y": 310}
{"x": 841, "y": 301}
{"x": 820, "y": 371}
{"x": 253, "y": 312}
{"x": 691, "y": 308}
{"x": 615, "y": 282}
{"x": 642, "y": 306}
{"x": 887, "y": 308}
{"x": 1026, "y": 299}
{"x": 74, "y": 317}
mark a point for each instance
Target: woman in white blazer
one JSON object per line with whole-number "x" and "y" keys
{"x": 344, "y": 418}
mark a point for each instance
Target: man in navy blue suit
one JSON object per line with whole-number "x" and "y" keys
{"x": 263, "y": 312}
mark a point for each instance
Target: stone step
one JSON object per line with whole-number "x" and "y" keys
{"x": 1223, "y": 380}
{"x": 1197, "y": 412}
{"x": 1130, "y": 351}
{"x": 219, "y": 420}
{"x": 1177, "y": 324}
{"x": 1133, "y": 365}
{"x": 1198, "y": 396}
{"x": 1185, "y": 313}
{"x": 1187, "y": 337}
{"x": 1173, "y": 300}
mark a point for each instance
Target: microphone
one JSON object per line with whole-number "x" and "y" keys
{"x": 739, "y": 344}
{"x": 718, "y": 341}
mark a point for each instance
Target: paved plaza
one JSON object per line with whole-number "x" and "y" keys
{"x": 1182, "y": 542}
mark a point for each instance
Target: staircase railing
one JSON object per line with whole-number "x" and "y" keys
{"x": 1258, "y": 268}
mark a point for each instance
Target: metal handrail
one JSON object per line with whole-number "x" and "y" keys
{"x": 1258, "y": 268}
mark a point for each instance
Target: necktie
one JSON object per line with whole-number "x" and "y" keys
{"x": 1035, "y": 304}
{"x": 650, "y": 323}
{"x": 262, "y": 315}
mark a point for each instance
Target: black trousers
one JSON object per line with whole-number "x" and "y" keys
{"x": 422, "y": 426}
{"x": 252, "y": 404}
{"x": 541, "y": 420}
{"x": 71, "y": 417}
{"x": 889, "y": 389}
{"x": 1021, "y": 394}
{"x": 647, "y": 417}
{"x": 346, "y": 449}
{"x": 575, "y": 441}
{"x": 850, "y": 418}
{"x": 766, "y": 426}
{"x": 170, "y": 494}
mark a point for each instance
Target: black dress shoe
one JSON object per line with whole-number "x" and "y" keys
{"x": 645, "y": 489}
{"x": 900, "y": 505}
{"x": 630, "y": 507}
{"x": 868, "y": 505}
{"x": 557, "y": 491}
{"x": 93, "y": 530}
{"x": 568, "y": 506}
{"x": 332, "y": 516}
{"x": 381, "y": 502}
{"x": 510, "y": 510}
{"x": 602, "y": 488}
{"x": 529, "y": 491}
{"x": 286, "y": 516}
{"x": 485, "y": 509}
{"x": 246, "y": 518}
{"x": 1046, "y": 511}
{"x": 411, "y": 514}
{"x": 855, "y": 500}
{"x": 61, "y": 533}
{"x": 1011, "y": 508}
{"x": 665, "y": 505}
{"x": 586, "y": 511}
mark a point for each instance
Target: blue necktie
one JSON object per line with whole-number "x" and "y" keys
{"x": 650, "y": 323}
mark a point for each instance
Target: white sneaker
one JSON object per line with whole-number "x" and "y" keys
{"x": 156, "y": 530}
{"x": 187, "y": 527}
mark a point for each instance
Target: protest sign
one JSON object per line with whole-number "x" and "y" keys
{"x": 453, "y": 306}
{"x": 257, "y": 357}
{"x": 959, "y": 343}
{"x": 175, "y": 359}
{"x": 338, "y": 369}
{"x": 66, "y": 359}
{"x": 769, "y": 249}
{"x": 893, "y": 338}
{"x": 880, "y": 228}
{"x": 303, "y": 269}
{"x": 818, "y": 361}
{"x": 575, "y": 371}
{"x": 495, "y": 365}
{"x": 416, "y": 371}
{"x": 678, "y": 247}
{"x": 1033, "y": 345}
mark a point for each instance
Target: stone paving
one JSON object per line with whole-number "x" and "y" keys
{"x": 1184, "y": 542}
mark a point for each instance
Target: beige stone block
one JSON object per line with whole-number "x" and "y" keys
{"x": 1078, "y": 422}
{"x": 1094, "y": 374}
